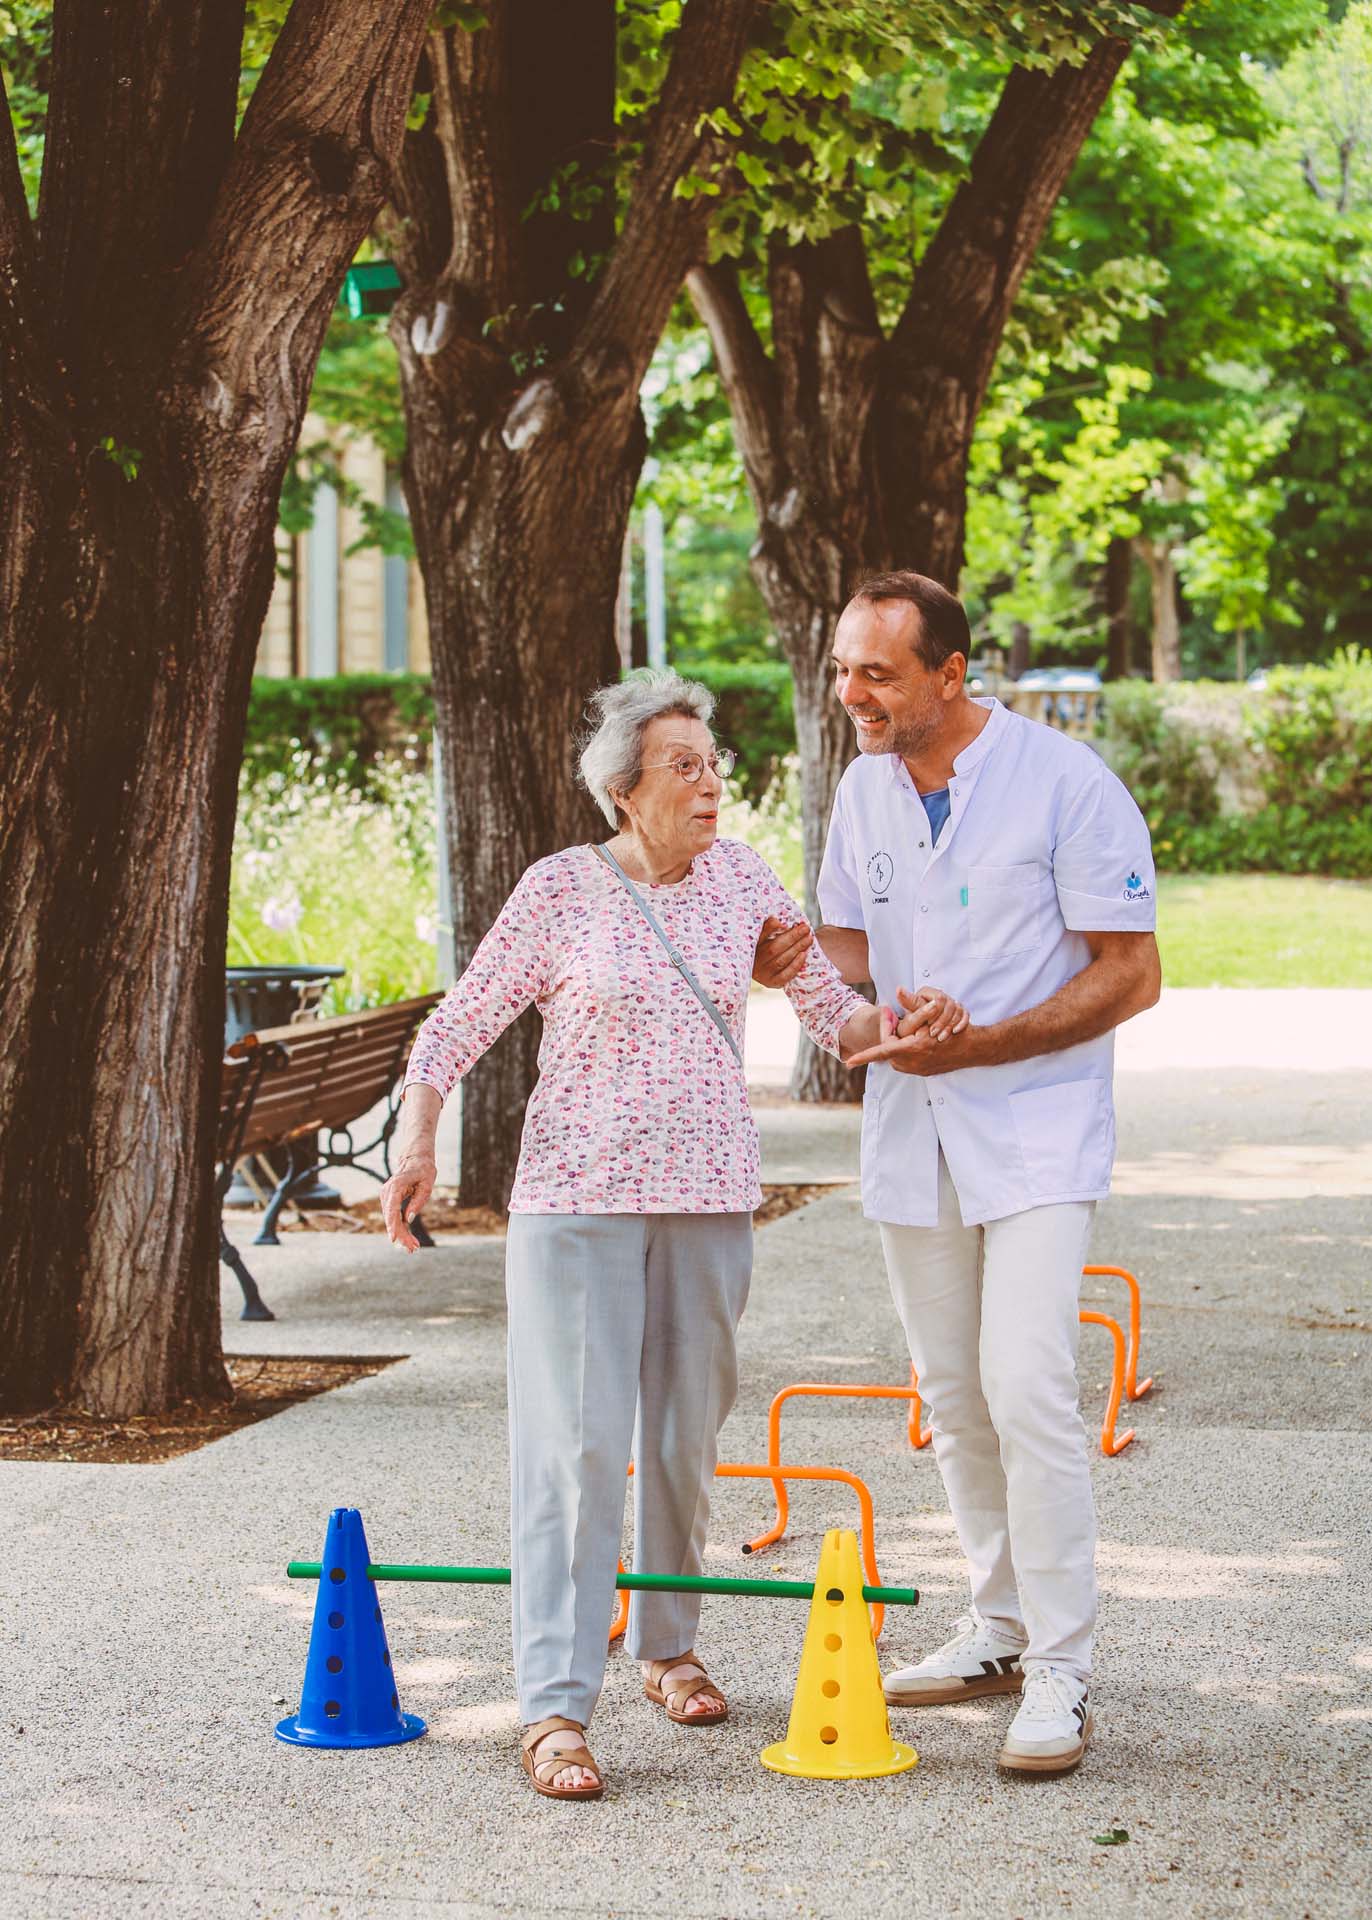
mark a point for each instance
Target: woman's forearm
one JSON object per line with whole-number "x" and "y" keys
{"x": 862, "y": 1029}
{"x": 419, "y": 1111}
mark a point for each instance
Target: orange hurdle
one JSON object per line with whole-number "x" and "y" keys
{"x": 920, "y": 1435}
{"x": 1131, "y": 1385}
{"x": 778, "y": 1474}
{"x": 1109, "y": 1445}
{"x": 821, "y": 1391}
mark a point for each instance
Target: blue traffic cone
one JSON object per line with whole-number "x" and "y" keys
{"x": 349, "y": 1697}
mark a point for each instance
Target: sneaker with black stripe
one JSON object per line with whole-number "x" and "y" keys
{"x": 1050, "y": 1732}
{"x": 975, "y": 1661}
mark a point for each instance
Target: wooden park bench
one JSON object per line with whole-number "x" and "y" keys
{"x": 285, "y": 1086}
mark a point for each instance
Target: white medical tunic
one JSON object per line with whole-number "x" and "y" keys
{"x": 1042, "y": 845}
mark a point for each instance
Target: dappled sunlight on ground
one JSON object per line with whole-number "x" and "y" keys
{"x": 422, "y": 1674}
{"x": 1154, "y": 1572}
{"x": 294, "y": 1598}
{"x": 1244, "y": 1171}
{"x": 491, "y": 1719}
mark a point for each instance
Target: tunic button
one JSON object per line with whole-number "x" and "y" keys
{"x": 921, "y": 843}
{"x": 924, "y": 909}
{"x": 926, "y": 973}
{"x": 940, "y": 1099}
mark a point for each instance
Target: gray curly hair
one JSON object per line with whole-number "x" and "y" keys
{"x": 612, "y": 755}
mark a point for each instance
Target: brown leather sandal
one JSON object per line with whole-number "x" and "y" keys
{"x": 559, "y": 1757}
{"x": 674, "y": 1701}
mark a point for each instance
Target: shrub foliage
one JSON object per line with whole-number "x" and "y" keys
{"x": 1275, "y": 779}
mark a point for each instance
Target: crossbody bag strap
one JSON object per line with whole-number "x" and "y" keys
{"x": 677, "y": 959}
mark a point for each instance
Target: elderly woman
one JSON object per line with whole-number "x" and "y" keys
{"x": 630, "y": 1237}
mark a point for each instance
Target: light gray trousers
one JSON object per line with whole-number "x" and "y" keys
{"x": 621, "y": 1338}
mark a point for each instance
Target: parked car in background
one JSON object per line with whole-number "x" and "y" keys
{"x": 1063, "y": 697}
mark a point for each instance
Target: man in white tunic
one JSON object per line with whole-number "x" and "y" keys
{"x": 988, "y": 853}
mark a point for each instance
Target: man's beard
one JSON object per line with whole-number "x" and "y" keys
{"x": 907, "y": 737}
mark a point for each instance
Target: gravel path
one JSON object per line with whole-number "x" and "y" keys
{"x": 151, "y": 1638}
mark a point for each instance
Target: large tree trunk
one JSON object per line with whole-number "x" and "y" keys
{"x": 523, "y": 340}
{"x": 1162, "y": 575}
{"x": 856, "y": 447}
{"x": 115, "y": 871}
{"x": 802, "y": 422}
{"x": 521, "y": 573}
{"x": 1119, "y": 557}
{"x": 155, "y": 361}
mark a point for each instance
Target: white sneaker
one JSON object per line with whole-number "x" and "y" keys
{"x": 974, "y": 1661}
{"x": 1051, "y": 1729}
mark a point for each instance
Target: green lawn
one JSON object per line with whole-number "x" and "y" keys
{"x": 1264, "y": 930}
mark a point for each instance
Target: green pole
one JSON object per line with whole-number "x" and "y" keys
{"x": 635, "y": 1582}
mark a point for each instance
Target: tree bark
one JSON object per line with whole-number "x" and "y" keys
{"x": 802, "y": 423}
{"x": 1020, "y": 638}
{"x": 157, "y": 340}
{"x": 1119, "y": 558}
{"x": 1166, "y": 637}
{"x": 522, "y": 344}
{"x": 521, "y": 567}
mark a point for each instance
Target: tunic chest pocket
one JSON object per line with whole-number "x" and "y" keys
{"x": 1004, "y": 909}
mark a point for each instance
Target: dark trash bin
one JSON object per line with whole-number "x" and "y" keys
{"x": 272, "y": 996}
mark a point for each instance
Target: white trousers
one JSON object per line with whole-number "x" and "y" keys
{"x": 621, "y": 1335}
{"x": 990, "y": 1314}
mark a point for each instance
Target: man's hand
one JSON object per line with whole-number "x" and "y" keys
{"x": 929, "y": 1037}
{"x": 781, "y": 951}
{"x": 1122, "y": 979}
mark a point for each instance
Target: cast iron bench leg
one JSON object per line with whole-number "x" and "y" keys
{"x": 295, "y": 1176}
{"x": 254, "y": 1306}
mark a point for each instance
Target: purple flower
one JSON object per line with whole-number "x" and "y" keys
{"x": 282, "y": 914}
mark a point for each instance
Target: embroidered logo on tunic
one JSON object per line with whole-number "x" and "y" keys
{"x": 1134, "y": 888}
{"x": 880, "y": 868}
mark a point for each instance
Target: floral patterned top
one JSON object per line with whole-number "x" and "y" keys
{"x": 639, "y": 1107}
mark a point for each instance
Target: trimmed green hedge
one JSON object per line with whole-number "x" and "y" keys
{"x": 345, "y": 725}
{"x": 341, "y": 726}
{"x": 754, "y": 714}
{"x": 1231, "y": 778}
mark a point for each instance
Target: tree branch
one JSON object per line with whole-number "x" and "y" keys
{"x": 26, "y": 363}
{"x": 1311, "y": 178}
{"x": 972, "y": 269}
{"x": 416, "y": 225}
{"x": 1346, "y": 150}
{"x": 316, "y": 149}
{"x": 142, "y": 103}
{"x": 663, "y": 235}
{"x": 746, "y": 373}
{"x": 470, "y": 104}
{"x": 939, "y": 359}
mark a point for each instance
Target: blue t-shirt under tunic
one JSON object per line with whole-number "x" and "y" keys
{"x": 937, "y": 805}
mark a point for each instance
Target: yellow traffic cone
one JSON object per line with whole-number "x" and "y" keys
{"x": 839, "y": 1729}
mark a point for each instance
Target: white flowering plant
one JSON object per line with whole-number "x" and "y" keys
{"x": 325, "y": 875}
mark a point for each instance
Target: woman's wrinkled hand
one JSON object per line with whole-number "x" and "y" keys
{"x": 404, "y": 1195}
{"x": 908, "y": 1039}
{"x": 781, "y": 951}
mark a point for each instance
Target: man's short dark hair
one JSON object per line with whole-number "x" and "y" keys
{"x": 943, "y": 628}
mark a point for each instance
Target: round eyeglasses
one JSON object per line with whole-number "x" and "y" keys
{"x": 690, "y": 765}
